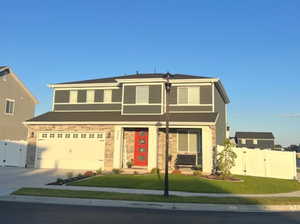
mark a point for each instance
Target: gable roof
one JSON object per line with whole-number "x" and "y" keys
{"x": 136, "y": 76}
{"x": 255, "y": 135}
{"x": 20, "y": 83}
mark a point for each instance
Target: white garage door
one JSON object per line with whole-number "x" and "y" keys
{"x": 70, "y": 150}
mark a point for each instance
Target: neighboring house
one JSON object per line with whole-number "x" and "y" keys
{"x": 111, "y": 122}
{"x": 17, "y": 105}
{"x": 261, "y": 140}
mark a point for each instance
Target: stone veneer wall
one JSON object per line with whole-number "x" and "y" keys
{"x": 109, "y": 141}
{"x": 129, "y": 135}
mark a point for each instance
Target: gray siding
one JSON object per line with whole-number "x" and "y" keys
{"x": 261, "y": 144}
{"x": 173, "y": 95}
{"x": 11, "y": 126}
{"x": 129, "y": 94}
{"x": 142, "y": 109}
{"x": 221, "y": 123}
{"x": 81, "y": 96}
{"x": 62, "y": 96}
{"x": 95, "y": 107}
{"x": 155, "y": 94}
{"x": 206, "y": 94}
{"x": 99, "y": 95}
{"x": 116, "y": 95}
{"x": 191, "y": 108}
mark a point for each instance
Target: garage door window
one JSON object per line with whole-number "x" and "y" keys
{"x": 52, "y": 135}
{"x": 91, "y": 136}
{"x": 59, "y": 135}
{"x": 67, "y": 136}
{"x": 75, "y": 135}
{"x": 83, "y": 135}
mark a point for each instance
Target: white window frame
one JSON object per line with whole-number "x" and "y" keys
{"x": 73, "y": 96}
{"x": 90, "y": 96}
{"x": 255, "y": 141}
{"x": 146, "y": 91}
{"x": 189, "y": 91}
{"x": 13, "y": 106}
{"x": 243, "y": 141}
{"x": 107, "y": 96}
{"x": 188, "y": 132}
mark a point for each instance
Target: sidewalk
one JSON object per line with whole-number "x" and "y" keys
{"x": 160, "y": 192}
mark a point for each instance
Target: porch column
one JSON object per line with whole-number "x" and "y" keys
{"x": 207, "y": 150}
{"x": 152, "y": 147}
{"x": 117, "y": 163}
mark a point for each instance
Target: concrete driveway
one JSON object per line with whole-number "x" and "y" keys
{"x": 13, "y": 178}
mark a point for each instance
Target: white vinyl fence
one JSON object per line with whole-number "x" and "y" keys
{"x": 264, "y": 163}
{"x": 13, "y": 153}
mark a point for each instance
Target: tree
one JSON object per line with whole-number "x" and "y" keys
{"x": 226, "y": 159}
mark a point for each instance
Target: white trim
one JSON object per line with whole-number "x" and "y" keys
{"x": 122, "y": 103}
{"x": 141, "y": 104}
{"x": 14, "y": 106}
{"x": 140, "y": 80}
{"x": 213, "y": 96}
{"x": 85, "y": 88}
{"x": 158, "y": 124}
{"x": 89, "y": 103}
{"x": 182, "y": 111}
{"x": 193, "y": 80}
{"x": 85, "y": 110}
{"x": 53, "y": 99}
{"x": 143, "y": 84}
{"x": 191, "y": 105}
{"x": 82, "y": 85}
{"x": 188, "y": 132}
{"x": 192, "y": 84}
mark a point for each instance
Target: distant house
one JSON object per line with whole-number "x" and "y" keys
{"x": 261, "y": 140}
{"x": 17, "y": 105}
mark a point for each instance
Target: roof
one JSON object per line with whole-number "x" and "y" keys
{"x": 137, "y": 76}
{"x": 1, "y": 67}
{"x": 255, "y": 135}
{"x": 117, "y": 117}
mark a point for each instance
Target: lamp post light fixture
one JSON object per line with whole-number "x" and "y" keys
{"x": 166, "y": 179}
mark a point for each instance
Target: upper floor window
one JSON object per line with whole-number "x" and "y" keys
{"x": 9, "y": 107}
{"x": 73, "y": 96}
{"x": 188, "y": 95}
{"x": 255, "y": 141}
{"x": 142, "y": 95}
{"x": 107, "y": 96}
{"x": 243, "y": 141}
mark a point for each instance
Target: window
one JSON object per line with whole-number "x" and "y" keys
{"x": 67, "y": 135}
{"x": 243, "y": 141}
{"x": 44, "y": 135}
{"x": 75, "y": 135}
{"x": 10, "y": 107}
{"x": 91, "y": 135}
{"x": 107, "y": 96}
{"x": 73, "y": 96}
{"x": 255, "y": 141}
{"x": 99, "y": 135}
{"x": 142, "y": 95}
{"x": 188, "y": 141}
{"x": 83, "y": 135}
{"x": 189, "y": 95}
{"x": 52, "y": 135}
{"x": 59, "y": 135}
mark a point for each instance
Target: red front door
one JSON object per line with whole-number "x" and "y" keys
{"x": 141, "y": 148}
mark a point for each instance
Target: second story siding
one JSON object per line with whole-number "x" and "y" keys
{"x": 87, "y": 100}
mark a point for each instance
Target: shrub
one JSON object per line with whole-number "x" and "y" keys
{"x": 197, "y": 173}
{"x": 198, "y": 167}
{"x": 155, "y": 171}
{"x": 176, "y": 171}
{"x": 116, "y": 171}
{"x": 129, "y": 164}
{"x": 89, "y": 173}
{"x": 226, "y": 159}
{"x": 99, "y": 171}
{"x": 70, "y": 175}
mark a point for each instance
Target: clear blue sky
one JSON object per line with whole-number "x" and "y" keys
{"x": 253, "y": 46}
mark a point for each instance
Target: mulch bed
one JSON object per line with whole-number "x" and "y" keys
{"x": 216, "y": 177}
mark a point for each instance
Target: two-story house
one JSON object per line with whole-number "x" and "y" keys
{"x": 111, "y": 122}
{"x": 17, "y": 105}
{"x": 259, "y": 140}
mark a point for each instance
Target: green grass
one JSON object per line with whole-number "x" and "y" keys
{"x": 155, "y": 198}
{"x": 250, "y": 185}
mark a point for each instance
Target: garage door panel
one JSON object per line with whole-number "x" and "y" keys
{"x": 71, "y": 153}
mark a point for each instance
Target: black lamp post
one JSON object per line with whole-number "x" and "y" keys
{"x": 166, "y": 180}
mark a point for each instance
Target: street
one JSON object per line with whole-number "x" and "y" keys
{"x": 28, "y": 213}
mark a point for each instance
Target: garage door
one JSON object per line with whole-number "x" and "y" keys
{"x": 70, "y": 150}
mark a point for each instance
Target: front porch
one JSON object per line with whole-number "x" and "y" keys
{"x": 139, "y": 149}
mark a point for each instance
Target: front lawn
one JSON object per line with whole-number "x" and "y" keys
{"x": 250, "y": 185}
{"x": 156, "y": 198}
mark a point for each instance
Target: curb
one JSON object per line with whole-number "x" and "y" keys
{"x": 152, "y": 205}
